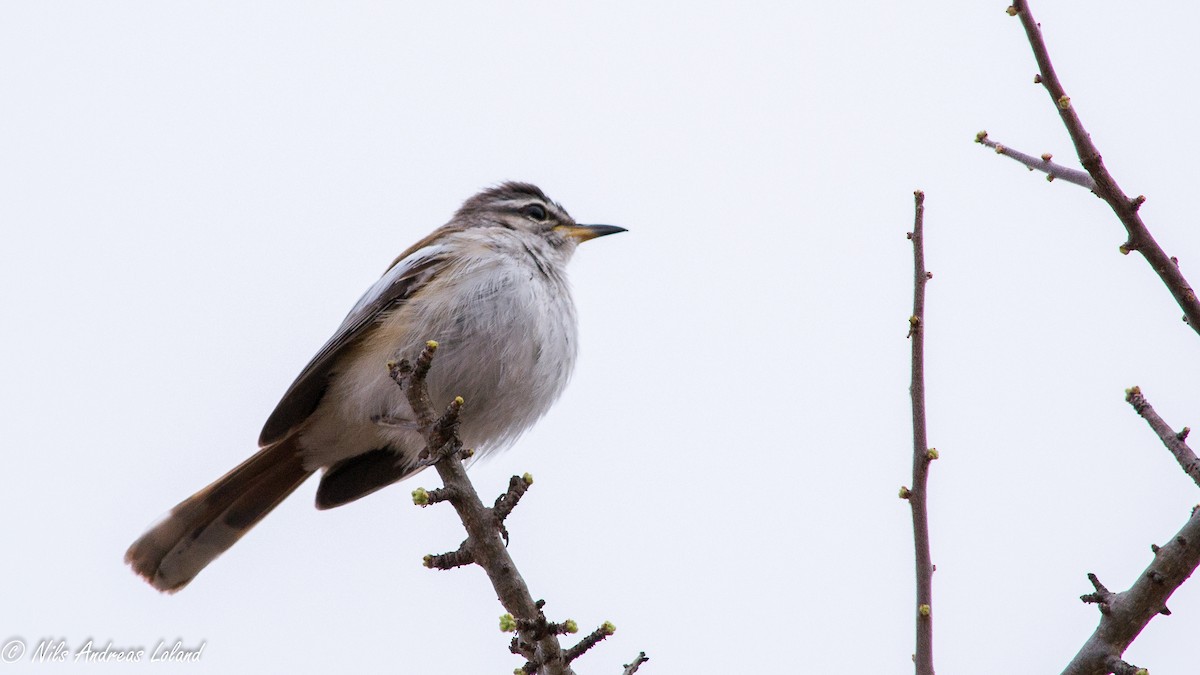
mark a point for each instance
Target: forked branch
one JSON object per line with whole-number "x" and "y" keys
{"x": 1125, "y": 614}
{"x": 485, "y": 545}
{"x": 1103, "y": 184}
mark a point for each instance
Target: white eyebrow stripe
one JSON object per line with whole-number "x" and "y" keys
{"x": 514, "y": 203}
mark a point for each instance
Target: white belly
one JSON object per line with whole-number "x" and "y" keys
{"x": 507, "y": 345}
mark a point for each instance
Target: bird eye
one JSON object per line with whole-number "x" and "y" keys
{"x": 535, "y": 211}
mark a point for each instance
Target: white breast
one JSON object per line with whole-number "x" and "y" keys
{"x": 506, "y": 331}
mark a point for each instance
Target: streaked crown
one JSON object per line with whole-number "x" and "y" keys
{"x": 523, "y": 207}
{"x": 515, "y": 205}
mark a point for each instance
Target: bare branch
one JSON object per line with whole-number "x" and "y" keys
{"x": 1043, "y": 163}
{"x": 517, "y": 487}
{"x": 1139, "y": 237}
{"x": 486, "y": 542}
{"x": 1102, "y": 597}
{"x": 483, "y": 545}
{"x": 590, "y": 640}
{"x": 448, "y": 561}
{"x": 1124, "y": 615}
{"x": 631, "y": 668}
{"x": 922, "y": 453}
{"x": 1174, "y": 441}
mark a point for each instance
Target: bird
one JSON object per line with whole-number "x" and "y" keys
{"x": 490, "y": 288}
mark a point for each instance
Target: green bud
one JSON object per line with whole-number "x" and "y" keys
{"x": 507, "y": 623}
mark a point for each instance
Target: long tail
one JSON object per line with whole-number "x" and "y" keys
{"x": 206, "y": 524}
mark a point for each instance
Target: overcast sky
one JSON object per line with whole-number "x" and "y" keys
{"x": 193, "y": 194}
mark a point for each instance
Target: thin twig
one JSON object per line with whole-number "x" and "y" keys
{"x": 1170, "y": 438}
{"x": 632, "y": 667}
{"x": 922, "y": 453}
{"x": 1052, "y": 170}
{"x": 1139, "y": 237}
{"x": 1101, "y": 597}
{"x": 590, "y": 640}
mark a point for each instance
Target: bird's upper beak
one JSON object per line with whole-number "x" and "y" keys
{"x": 582, "y": 233}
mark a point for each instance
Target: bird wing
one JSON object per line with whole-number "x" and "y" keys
{"x": 407, "y": 275}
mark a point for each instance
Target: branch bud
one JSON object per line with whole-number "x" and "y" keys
{"x": 507, "y": 623}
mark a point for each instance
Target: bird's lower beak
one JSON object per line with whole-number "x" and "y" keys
{"x": 582, "y": 233}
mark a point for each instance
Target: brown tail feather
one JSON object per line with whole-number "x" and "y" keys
{"x": 206, "y": 524}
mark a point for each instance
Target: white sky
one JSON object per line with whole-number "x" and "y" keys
{"x": 193, "y": 195}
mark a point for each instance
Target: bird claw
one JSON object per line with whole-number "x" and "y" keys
{"x": 451, "y": 448}
{"x": 392, "y": 422}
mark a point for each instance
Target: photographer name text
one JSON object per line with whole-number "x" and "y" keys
{"x": 50, "y": 650}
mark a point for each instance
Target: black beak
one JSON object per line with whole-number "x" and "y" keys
{"x": 582, "y": 233}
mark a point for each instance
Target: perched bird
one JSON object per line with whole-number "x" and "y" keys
{"x": 490, "y": 287}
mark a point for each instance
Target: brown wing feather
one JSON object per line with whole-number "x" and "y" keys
{"x": 359, "y": 476}
{"x": 405, "y": 277}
